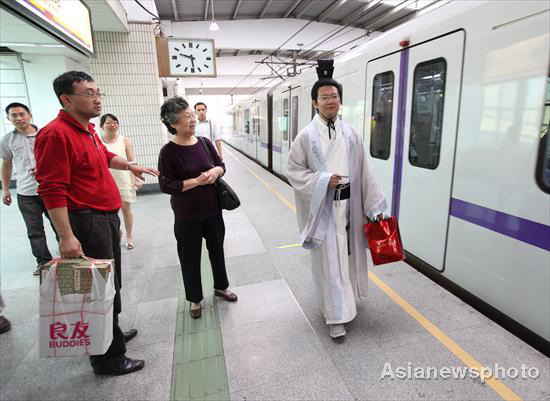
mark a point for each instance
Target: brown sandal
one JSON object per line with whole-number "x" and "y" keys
{"x": 194, "y": 313}
{"x": 230, "y": 297}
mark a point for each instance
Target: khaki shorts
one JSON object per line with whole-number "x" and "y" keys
{"x": 128, "y": 195}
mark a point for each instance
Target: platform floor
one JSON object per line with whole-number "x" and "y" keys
{"x": 274, "y": 342}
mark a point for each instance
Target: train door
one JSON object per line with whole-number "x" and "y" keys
{"x": 434, "y": 73}
{"x": 382, "y": 88}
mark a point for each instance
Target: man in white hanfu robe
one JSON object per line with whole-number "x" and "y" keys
{"x": 335, "y": 188}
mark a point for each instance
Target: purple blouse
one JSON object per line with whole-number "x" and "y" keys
{"x": 178, "y": 163}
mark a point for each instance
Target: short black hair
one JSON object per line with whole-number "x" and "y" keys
{"x": 105, "y": 116}
{"x": 63, "y": 84}
{"x": 199, "y": 104}
{"x": 15, "y": 104}
{"x": 325, "y": 82}
{"x": 170, "y": 112}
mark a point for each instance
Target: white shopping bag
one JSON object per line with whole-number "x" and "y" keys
{"x": 76, "y": 324}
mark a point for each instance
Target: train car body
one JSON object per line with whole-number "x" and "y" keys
{"x": 452, "y": 123}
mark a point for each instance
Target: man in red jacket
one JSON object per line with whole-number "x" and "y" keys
{"x": 82, "y": 199}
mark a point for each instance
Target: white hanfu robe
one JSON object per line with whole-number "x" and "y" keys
{"x": 338, "y": 277}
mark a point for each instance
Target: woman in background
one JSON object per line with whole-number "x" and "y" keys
{"x": 126, "y": 182}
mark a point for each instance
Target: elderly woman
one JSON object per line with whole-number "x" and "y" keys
{"x": 188, "y": 176}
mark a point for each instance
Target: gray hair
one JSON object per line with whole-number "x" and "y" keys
{"x": 170, "y": 112}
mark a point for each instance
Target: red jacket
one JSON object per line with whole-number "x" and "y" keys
{"x": 72, "y": 167}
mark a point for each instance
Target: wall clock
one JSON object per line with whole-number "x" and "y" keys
{"x": 192, "y": 57}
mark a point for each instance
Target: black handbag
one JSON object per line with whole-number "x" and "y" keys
{"x": 227, "y": 197}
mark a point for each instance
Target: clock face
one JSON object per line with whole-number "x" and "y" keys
{"x": 192, "y": 57}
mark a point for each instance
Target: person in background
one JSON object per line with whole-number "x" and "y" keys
{"x": 206, "y": 127}
{"x": 335, "y": 189}
{"x": 72, "y": 170}
{"x": 5, "y": 324}
{"x": 188, "y": 176}
{"x": 126, "y": 182}
{"x": 17, "y": 152}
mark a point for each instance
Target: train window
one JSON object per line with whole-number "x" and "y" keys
{"x": 284, "y": 120}
{"x": 247, "y": 121}
{"x": 543, "y": 162}
{"x": 381, "y": 115}
{"x": 256, "y": 121}
{"x": 294, "y": 122}
{"x": 427, "y": 113}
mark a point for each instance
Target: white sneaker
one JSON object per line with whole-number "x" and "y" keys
{"x": 337, "y": 330}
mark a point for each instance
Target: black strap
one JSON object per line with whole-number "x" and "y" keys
{"x": 210, "y": 157}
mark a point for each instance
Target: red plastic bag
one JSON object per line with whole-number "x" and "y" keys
{"x": 384, "y": 241}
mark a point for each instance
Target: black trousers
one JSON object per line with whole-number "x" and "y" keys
{"x": 99, "y": 235}
{"x": 189, "y": 235}
{"x": 32, "y": 209}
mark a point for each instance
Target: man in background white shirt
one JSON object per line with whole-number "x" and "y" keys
{"x": 17, "y": 153}
{"x": 206, "y": 127}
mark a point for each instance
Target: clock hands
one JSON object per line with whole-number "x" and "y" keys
{"x": 192, "y": 58}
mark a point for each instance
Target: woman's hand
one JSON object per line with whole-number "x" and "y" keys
{"x": 203, "y": 179}
{"x": 139, "y": 184}
{"x": 213, "y": 174}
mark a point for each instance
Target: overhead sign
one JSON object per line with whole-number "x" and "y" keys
{"x": 69, "y": 21}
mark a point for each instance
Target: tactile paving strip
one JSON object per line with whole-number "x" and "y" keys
{"x": 199, "y": 366}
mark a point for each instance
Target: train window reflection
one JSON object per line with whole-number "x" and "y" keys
{"x": 256, "y": 120}
{"x": 543, "y": 162}
{"x": 247, "y": 121}
{"x": 381, "y": 115}
{"x": 427, "y": 113}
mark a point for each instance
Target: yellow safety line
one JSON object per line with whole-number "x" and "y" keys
{"x": 502, "y": 390}
{"x": 465, "y": 357}
{"x": 288, "y": 246}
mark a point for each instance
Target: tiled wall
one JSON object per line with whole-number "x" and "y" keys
{"x": 125, "y": 69}
{"x": 12, "y": 87}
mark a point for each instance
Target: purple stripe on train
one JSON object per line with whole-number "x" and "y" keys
{"x": 400, "y": 131}
{"x": 524, "y": 230}
{"x": 275, "y": 147}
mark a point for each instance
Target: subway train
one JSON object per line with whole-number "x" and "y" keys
{"x": 454, "y": 108}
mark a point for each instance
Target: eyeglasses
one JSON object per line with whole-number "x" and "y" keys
{"x": 111, "y": 122}
{"x": 190, "y": 116}
{"x": 90, "y": 95}
{"x": 325, "y": 98}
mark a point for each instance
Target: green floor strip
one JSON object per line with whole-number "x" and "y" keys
{"x": 198, "y": 371}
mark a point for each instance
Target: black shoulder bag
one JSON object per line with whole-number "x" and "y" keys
{"x": 227, "y": 197}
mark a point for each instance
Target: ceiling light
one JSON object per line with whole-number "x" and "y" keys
{"x": 213, "y": 26}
